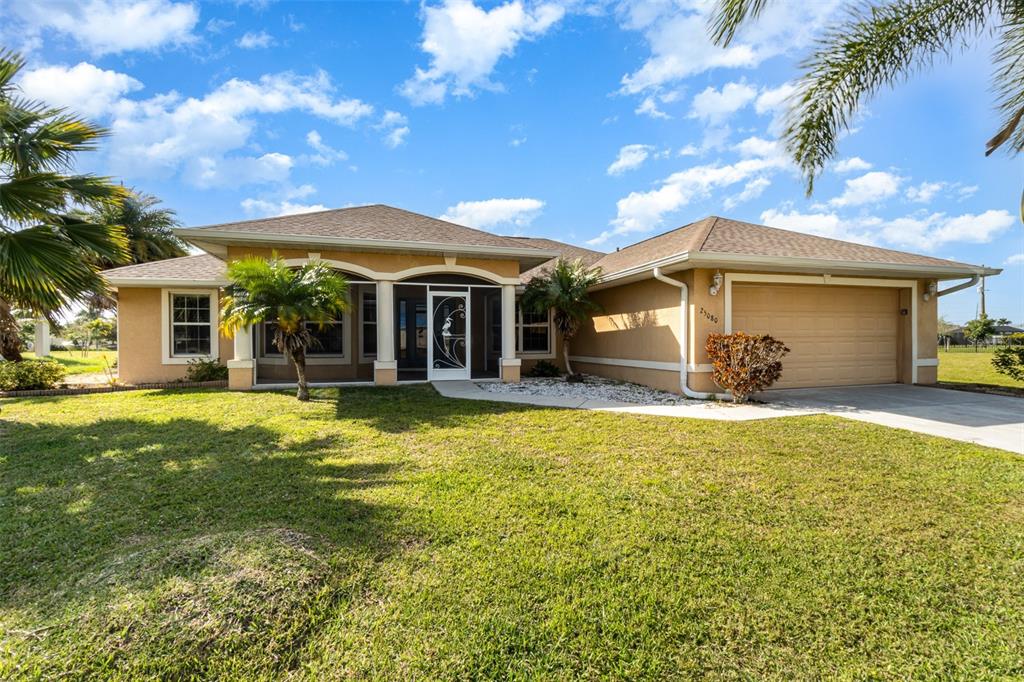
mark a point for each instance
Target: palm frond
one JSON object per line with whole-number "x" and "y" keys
{"x": 1008, "y": 82}
{"x": 729, "y": 16}
{"x": 876, "y": 46}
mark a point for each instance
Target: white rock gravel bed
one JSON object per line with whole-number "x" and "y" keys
{"x": 592, "y": 388}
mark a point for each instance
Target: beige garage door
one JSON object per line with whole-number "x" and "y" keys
{"x": 837, "y": 336}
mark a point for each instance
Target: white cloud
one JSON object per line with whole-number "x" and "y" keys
{"x": 325, "y": 155}
{"x": 714, "y": 106}
{"x": 851, "y": 165}
{"x": 164, "y": 134}
{"x": 494, "y": 212}
{"x": 1015, "y": 259}
{"x": 922, "y": 232}
{"x": 87, "y": 89}
{"x": 268, "y": 209}
{"x": 676, "y": 33}
{"x": 213, "y": 171}
{"x": 465, "y": 43}
{"x": 649, "y": 107}
{"x": 630, "y": 156}
{"x": 757, "y": 147}
{"x": 111, "y": 26}
{"x": 937, "y": 229}
{"x": 924, "y": 192}
{"x": 218, "y": 25}
{"x": 689, "y": 150}
{"x": 255, "y": 40}
{"x": 395, "y": 126}
{"x": 751, "y": 190}
{"x": 773, "y": 100}
{"x": 869, "y": 188}
{"x": 644, "y": 211}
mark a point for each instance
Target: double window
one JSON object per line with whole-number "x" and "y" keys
{"x": 533, "y": 331}
{"x": 191, "y": 325}
{"x": 368, "y": 320}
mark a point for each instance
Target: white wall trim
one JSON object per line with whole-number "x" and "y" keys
{"x": 166, "y": 357}
{"x": 337, "y": 264}
{"x": 623, "y": 362}
{"x": 828, "y": 280}
{"x": 438, "y": 268}
{"x": 928, "y": 362}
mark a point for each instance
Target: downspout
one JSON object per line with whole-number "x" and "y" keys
{"x": 684, "y": 315}
{"x": 969, "y": 283}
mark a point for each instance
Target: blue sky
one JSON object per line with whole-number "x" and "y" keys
{"x": 589, "y": 122}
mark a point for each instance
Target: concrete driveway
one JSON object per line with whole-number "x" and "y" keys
{"x": 992, "y": 420}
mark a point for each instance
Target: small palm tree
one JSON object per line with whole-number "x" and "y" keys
{"x": 264, "y": 290}
{"x": 48, "y": 255}
{"x": 149, "y": 229}
{"x": 564, "y": 289}
{"x": 881, "y": 45}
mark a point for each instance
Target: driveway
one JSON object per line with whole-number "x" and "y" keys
{"x": 993, "y": 420}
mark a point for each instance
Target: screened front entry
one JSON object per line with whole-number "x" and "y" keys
{"x": 448, "y": 325}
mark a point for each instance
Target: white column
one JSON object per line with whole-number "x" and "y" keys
{"x": 385, "y": 321}
{"x": 41, "y": 346}
{"x": 385, "y": 368}
{"x": 243, "y": 344}
{"x": 242, "y": 367}
{"x": 509, "y": 362}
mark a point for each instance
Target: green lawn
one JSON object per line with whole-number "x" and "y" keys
{"x": 77, "y": 363}
{"x": 973, "y": 368}
{"x": 393, "y": 534}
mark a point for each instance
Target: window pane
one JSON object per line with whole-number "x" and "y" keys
{"x": 191, "y": 308}
{"x": 535, "y": 339}
{"x": 329, "y": 339}
{"x": 191, "y": 339}
{"x": 369, "y": 307}
{"x": 269, "y": 329}
{"x": 369, "y": 339}
{"x": 531, "y": 317}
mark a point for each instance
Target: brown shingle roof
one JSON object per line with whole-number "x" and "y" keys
{"x": 199, "y": 268}
{"x": 567, "y": 251}
{"x": 714, "y": 235}
{"x": 374, "y": 222}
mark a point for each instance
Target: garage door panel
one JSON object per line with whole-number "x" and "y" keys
{"x": 836, "y": 335}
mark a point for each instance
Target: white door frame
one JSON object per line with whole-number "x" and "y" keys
{"x": 447, "y": 374}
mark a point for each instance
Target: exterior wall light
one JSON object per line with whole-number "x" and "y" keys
{"x": 716, "y": 284}
{"x": 931, "y": 291}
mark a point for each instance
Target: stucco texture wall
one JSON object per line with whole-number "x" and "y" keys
{"x": 139, "y": 355}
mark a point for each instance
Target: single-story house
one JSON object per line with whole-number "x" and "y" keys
{"x": 432, "y": 300}
{"x": 1002, "y": 332}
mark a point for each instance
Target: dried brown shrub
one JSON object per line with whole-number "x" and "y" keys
{"x": 745, "y": 363}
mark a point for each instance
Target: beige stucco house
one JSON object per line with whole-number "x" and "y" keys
{"x": 432, "y": 300}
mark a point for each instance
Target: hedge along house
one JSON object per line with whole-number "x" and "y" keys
{"x": 432, "y": 300}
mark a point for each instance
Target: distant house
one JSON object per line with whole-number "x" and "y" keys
{"x": 958, "y": 336}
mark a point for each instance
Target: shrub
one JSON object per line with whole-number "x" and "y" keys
{"x": 206, "y": 370}
{"x": 1009, "y": 360}
{"x": 745, "y": 363}
{"x": 544, "y": 368}
{"x": 29, "y": 375}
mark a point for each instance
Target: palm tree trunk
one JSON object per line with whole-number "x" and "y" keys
{"x": 10, "y": 340}
{"x": 565, "y": 356}
{"x": 299, "y": 360}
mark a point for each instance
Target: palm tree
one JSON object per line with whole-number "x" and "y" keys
{"x": 48, "y": 255}
{"x": 293, "y": 298}
{"x": 883, "y": 45}
{"x": 149, "y": 229}
{"x": 564, "y": 289}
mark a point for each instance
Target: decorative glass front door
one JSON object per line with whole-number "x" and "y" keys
{"x": 448, "y": 329}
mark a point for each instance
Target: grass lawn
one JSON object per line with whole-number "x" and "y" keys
{"x": 973, "y": 368}
{"x": 83, "y": 364}
{"x": 393, "y": 534}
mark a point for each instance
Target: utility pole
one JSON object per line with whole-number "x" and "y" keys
{"x": 981, "y": 298}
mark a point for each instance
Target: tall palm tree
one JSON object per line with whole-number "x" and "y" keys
{"x": 149, "y": 229}
{"x": 48, "y": 255}
{"x": 264, "y": 290}
{"x": 882, "y": 45}
{"x": 564, "y": 289}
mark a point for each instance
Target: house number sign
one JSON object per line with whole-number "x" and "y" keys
{"x": 708, "y": 316}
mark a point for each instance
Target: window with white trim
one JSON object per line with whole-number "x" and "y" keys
{"x": 368, "y": 320}
{"x": 328, "y": 339}
{"x": 191, "y": 325}
{"x": 533, "y": 331}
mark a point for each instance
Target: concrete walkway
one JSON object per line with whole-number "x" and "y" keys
{"x": 991, "y": 420}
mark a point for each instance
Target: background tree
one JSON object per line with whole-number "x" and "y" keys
{"x": 293, "y": 298}
{"x": 980, "y": 330}
{"x": 148, "y": 228}
{"x": 564, "y": 290}
{"x": 881, "y": 45}
{"x": 48, "y": 255}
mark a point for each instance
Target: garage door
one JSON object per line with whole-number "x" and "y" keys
{"x": 837, "y": 336}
